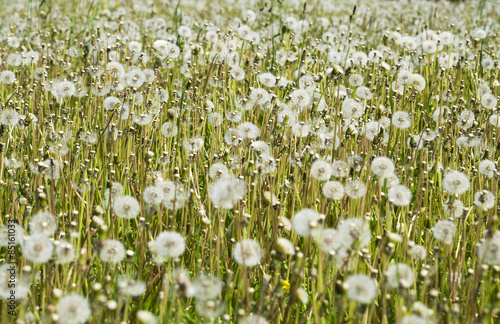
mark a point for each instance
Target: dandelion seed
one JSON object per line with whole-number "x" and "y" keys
{"x": 210, "y": 308}
{"x": 489, "y": 101}
{"x": 300, "y": 99}
{"x": 364, "y": 93}
{"x": 261, "y": 148}
{"x": 285, "y": 222}
{"x": 399, "y": 274}
{"x": 111, "y": 102}
{"x": 404, "y": 77}
{"x": 126, "y": 207}
{"x": 142, "y": 119}
{"x": 267, "y": 80}
{"x": 43, "y": 223}
{"x": 454, "y": 209}
{"x": 361, "y": 289}
{"x": 417, "y": 82}
{"x": 233, "y": 116}
{"x": 307, "y": 83}
{"x": 247, "y": 253}
{"x": 217, "y": 170}
{"x": 489, "y": 249}
{"x": 112, "y": 251}
{"x": 7, "y": 77}
{"x": 456, "y": 182}
{"x": 215, "y": 119}
{"x": 340, "y": 169}
{"x": 401, "y": 120}
{"x": 302, "y": 295}
{"x": 233, "y": 137}
{"x": 260, "y": 96}
{"x": 487, "y": 168}
{"x": 306, "y": 221}
{"x": 355, "y": 189}
{"x": 168, "y": 245}
{"x": 356, "y": 80}
{"x": 65, "y": 252}
{"x": 382, "y": 166}
{"x": 330, "y": 242}
{"x": 169, "y": 129}
{"x": 413, "y": 319}
{"x": 237, "y": 73}
{"x": 227, "y": 191}
{"x": 207, "y": 287}
{"x": 354, "y": 231}
{"x": 115, "y": 69}
{"x": 265, "y": 164}
{"x": 146, "y": 317}
{"x": 248, "y": 130}
{"x": 74, "y": 309}
{"x": 418, "y": 252}
{"x": 333, "y": 190}
{"x": 444, "y": 231}
{"x": 176, "y": 198}
{"x": 153, "y": 195}
{"x": 37, "y": 248}
{"x": 193, "y": 144}
{"x": 9, "y": 117}
{"x": 484, "y": 199}
{"x": 321, "y": 170}
{"x": 352, "y": 109}
{"x": 466, "y": 119}
{"x": 301, "y": 129}
{"x": 399, "y": 195}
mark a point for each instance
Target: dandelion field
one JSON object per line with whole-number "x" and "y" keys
{"x": 249, "y": 161}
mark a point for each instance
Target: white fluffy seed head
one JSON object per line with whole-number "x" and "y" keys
{"x": 112, "y": 251}
{"x": 43, "y": 223}
{"x": 321, "y": 170}
{"x": 168, "y": 244}
{"x": 355, "y": 189}
{"x": 455, "y": 182}
{"x": 247, "y": 253}
{"x": 444, "y": 231}
{"x": 333, "y": 190}
{"x": 37, "y": 248}
{"x": 399, "y": 274}
{"x": 399, "y": 195}
{"x": 382, "y": 166}
{"x": 306, "y": 221}
{"x": 361, "y": 288}
{"x": 126, "y": 207}
{"x": 73, "y": 309}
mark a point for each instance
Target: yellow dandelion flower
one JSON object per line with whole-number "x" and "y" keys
{"x": 286, "y": 286}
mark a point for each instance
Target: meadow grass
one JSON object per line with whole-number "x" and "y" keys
{"x": 249, "y": 162}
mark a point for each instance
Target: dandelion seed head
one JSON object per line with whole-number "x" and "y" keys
{"x": 321, "y": 170}
{"x": 112, "y": 251}
{"x": 444, "y": 231}
{"x": 43, "y": 223}
{"x": 399, "y": 195}
{"x": 74, "y": 309}
{"x": 247, "y": 253}
{"x": 455, "y": 182}
{"x": 37, "y": 248}
{"x": 306, "y": 221}
{"x": 355, "y": 189}
{"x": 361, "y": 289}
{"x": 399, "y": 275}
